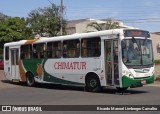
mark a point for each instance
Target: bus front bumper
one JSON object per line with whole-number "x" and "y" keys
{"x": 138, "y": 82}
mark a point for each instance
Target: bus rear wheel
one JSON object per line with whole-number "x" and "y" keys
{"x": 93, "y": 84}
{"x": 30, "y": 80}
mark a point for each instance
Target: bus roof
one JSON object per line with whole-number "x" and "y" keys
{"x": 67, "y": 37}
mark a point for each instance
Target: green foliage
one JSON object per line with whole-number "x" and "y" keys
{"x": 12, "y": 29}
{"x": 45, "y": 20}
{"x": 40, "y": 21}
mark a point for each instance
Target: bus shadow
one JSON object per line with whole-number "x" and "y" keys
{"x": 78, "y": 88}
{"x": 59, "y": 87}
{"x": 6, "y": 81}
{"x": 11, "y": 83}
{"x": 126, "y": 92}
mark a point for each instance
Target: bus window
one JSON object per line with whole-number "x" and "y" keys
{"x": 71, "y": 49}
{"x": 54, "y": 49}
{"x": 26, "y": 51}
{"x": 39, "y": 50}
{"x": 91, "y": 47}
{"x": 6, "y": 53}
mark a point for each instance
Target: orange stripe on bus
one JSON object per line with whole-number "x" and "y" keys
{"x": 21, "y": 70}
{"x": 31, "y": 41}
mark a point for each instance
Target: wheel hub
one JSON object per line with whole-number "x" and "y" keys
{"x": 93, "y": 83}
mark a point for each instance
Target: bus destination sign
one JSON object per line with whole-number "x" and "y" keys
{"x": 136, "y": 33}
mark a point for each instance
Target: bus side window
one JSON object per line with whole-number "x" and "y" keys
{"x": 91, "y": 47}
{"x": 49, "y": 49}
{"x": 58, "y": 49}
{"x": 6, "y": 53}
{"x": 26, "y": 51}
{"x": 39, "y": 50}
{"x": 71, "y": 48}
{"x": 35, "y": 55}
{"x": 54, "y": 49}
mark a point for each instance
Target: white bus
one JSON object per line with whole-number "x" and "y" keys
{"x": 119, "y": 58}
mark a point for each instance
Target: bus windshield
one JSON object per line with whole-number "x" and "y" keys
{"x": 137, "y": 53}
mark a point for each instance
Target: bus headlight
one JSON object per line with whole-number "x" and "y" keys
{"x": 127, "y": 73}
{"x": 131, "y": 76}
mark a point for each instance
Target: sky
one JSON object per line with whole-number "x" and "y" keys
{"x": 143, "y": 14}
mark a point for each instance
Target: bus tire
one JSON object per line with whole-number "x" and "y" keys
{"x": 92, "y": 83}
{"x": 30, "y": 81}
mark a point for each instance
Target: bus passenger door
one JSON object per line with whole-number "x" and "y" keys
{"x": 111, "y": 62}
{"x": 14, "y": 64}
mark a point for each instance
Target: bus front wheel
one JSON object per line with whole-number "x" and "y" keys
{"x": 93, "y": 84}
{"x": 30, "y": 80}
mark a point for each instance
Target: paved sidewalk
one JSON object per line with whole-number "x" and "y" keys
{"x": 156, "y": 83}
{"x": 4, "y": 83}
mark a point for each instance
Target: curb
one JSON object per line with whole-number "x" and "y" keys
{"x": 156, "y": 84}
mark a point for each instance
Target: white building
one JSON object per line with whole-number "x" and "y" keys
{"x": 81, "y": 25}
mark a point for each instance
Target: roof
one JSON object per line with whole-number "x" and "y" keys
{"x": 68, "y": 37}
{"x": 73, "y": 23}
{"x": 157, "y": 33}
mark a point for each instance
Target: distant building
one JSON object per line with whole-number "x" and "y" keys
{"x": 80, "y": 26}
{"x": 156, "y": 44}
{"x": 71, "y": 25}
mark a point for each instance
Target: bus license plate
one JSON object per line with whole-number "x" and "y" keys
{"x": 143, "y": 81}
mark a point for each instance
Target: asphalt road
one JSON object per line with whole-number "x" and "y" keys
{"x": 61, "y": 95}
{"x": 49, "y": 94}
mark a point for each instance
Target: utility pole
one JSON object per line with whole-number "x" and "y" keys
{"x": 61, "y": 18}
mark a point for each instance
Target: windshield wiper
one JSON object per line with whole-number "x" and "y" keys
{"x": 139, "y": 48}
{"x": 135, "y": 41}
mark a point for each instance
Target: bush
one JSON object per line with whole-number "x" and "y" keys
{"x": 157, "y": 62}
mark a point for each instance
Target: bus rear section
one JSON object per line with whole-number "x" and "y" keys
{"x": 11, "y": 66}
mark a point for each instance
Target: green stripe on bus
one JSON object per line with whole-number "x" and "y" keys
{"x": 53, "y": 79}
{"x": 31, "y": 65}
{"x": 130, "y": 82}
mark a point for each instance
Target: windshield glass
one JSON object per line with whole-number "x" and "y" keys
{"x": 137, "y": 52}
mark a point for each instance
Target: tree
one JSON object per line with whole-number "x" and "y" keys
{"x": 13, "y": 29}
{"x": 105, "y": 26}
{"x": 45, "y": 20}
